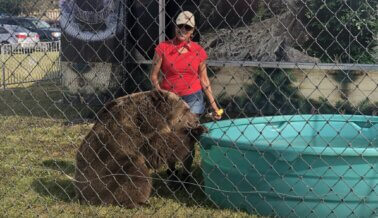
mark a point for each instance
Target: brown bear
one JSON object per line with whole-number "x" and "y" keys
{"x": 133, "y": 134}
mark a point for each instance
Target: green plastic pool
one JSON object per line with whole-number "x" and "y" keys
{"x": 302, "y": 165}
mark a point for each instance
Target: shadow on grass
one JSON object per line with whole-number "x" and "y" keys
{"x": 66, "y": 167}
{"x": 189, "y": 193}
{"x": 48, "y": 100}
{"x": 61, "y": 189}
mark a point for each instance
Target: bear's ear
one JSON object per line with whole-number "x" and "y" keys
{"x": 177, "y": 114}
{"x": 158, "y": 96}
{"x": 159, "y": 101}
{"x": 165, "y": 96}
{"x": 106, "y": 109}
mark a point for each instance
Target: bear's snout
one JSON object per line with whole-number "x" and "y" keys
{"x": 199, "y": 130}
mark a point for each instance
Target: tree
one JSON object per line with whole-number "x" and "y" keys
{"x": 17, "y": 7}
{"x": 342, "y": 30}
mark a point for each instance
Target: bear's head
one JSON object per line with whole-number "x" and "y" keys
{"x": 178, "y": 114}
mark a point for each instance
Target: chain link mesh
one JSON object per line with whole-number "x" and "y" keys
{"x": 82, "y": 134}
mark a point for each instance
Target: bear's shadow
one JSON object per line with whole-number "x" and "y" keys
{"x": 191, "y": 194}
{"x": 59, "y": 189}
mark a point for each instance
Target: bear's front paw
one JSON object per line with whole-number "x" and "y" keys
{"x": 173, "y": 181}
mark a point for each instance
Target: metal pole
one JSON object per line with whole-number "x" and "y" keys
{"x": 2, "y": 66}
{"x": 60, "y": 72}
{"x": 290, "y": 65}
{"x": 3, "y": 72}
{"x": 161, "y": 20}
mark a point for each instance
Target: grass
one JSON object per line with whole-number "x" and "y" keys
{"x": 28, "y": 68}
{"x": 37, "y": 150}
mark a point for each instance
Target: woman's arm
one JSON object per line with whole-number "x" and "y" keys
{"x": 205, "y": 83}
{"x": 154, "y": 76}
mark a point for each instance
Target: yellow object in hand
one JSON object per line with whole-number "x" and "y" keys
{"x": 220, "y": 112}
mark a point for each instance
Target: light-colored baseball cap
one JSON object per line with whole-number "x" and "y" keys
{"x": 186, "y": 17}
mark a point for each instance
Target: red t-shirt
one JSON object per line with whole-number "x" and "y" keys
{"x": 180, "y": 71}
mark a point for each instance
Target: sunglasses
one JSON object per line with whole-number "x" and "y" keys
{"x": 184, "y": 26}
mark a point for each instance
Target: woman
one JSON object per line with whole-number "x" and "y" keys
{"x": 183, "y": 66}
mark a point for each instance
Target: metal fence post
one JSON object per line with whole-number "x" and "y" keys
{"x": 3, "y": 72}
{"x": 161, "y": 20}
{"x": 60, "y": 72}
{"x": 2, "y": 67}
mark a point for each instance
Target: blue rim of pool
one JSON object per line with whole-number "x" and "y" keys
{"x": 278, "y": 132}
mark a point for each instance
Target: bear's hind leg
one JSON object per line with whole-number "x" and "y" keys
{"x": 135, "y": 187}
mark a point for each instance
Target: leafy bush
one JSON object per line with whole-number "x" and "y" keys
{"x": 342, "y": 30}
{"x": 13, "y": 7}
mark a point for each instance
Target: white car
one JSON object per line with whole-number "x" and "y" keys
{"x": 17, "y": 37}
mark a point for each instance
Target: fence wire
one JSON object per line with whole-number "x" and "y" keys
{"x": 35, "y": 63}
{"x": 84, "y": 130}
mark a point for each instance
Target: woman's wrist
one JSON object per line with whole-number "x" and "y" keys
{"x": 216, "y": 110}
{"x": 214, "y": 106}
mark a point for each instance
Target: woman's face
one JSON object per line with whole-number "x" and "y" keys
{"x": 184, "y": 32}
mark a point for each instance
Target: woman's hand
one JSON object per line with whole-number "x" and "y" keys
{"x": 217, "y": 113}
{"x": 217, "y": 117}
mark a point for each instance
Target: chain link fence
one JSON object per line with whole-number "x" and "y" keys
{"x": 85, "y": 133}
{"x": 36, "y": 63}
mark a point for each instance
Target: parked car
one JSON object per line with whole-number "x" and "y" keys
{"x": 17, "y": 37}
{"x": 54, "y": 23}
{"x": 45, "y": 31}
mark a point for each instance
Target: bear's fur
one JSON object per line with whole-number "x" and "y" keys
{"x": 133, "y": 134}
